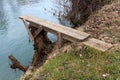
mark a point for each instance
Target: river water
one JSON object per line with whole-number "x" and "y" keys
{"x": 14, "y": 38}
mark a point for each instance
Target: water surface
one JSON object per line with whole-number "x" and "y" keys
{"x": 14, "y": 38}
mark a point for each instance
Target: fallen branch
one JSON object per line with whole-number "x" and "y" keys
{"x": 16, "y": 64}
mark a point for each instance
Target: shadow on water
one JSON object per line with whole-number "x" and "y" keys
{"x": 62, "y": 7}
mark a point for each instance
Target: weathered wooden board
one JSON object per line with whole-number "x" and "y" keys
{"x": 79, "y": 35}
{"x": 67, "y": 33}
{"x": 97, "y": 44}
{"x": 27, "y": 27}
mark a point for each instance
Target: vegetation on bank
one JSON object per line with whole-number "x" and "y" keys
{"x": 90, "y": 65}
{"x": 82, "y": 9}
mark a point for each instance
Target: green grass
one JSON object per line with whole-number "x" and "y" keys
{"x": 91, "y": 66}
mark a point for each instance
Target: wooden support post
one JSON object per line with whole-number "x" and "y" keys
{"x": 38, "y": 31}
{"x": 26, "y": 25}
{"x": 59, "y": 40}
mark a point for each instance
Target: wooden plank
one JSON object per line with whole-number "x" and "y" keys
{"x": 59, "y": 40}
{"x": 26, "y": 25}
{"x": 56, "y": 27}
{"x": 97, "y": 44}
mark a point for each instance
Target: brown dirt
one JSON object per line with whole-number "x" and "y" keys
{"x": 42, "y": 46}
{"x": 104, "y": 24}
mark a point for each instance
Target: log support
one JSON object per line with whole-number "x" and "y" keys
{"x": 16, "y": 64}
{"x": 59, "y": 39}
{"x": 27, "y": 27}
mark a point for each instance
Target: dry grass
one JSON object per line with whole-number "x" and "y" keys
{"x": 105, "y": 23}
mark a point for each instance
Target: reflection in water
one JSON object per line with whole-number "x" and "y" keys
{"x": 13, "y": 35}
{"x": 3, "y": 20}
{"x": 14, "y": 5}
{"x": 61, "y": 10}
{"x": 7, "y": 14}
{"x": 25, "y": 2}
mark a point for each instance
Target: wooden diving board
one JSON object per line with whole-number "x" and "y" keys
{"x": 57, "y": 28}
{"x": 97, "y": 44}
{"x": 64, "y": 32}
